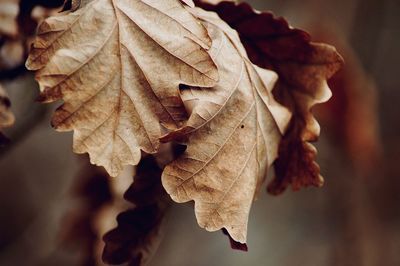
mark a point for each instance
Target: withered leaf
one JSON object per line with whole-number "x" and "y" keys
{"x": 117, "y": 64}
{"x": 93, "y": 192}
{"x": 353, "y": 109}
{"x": 138, "y": 233}
{"x": 303, "y": 68}
{"x": 188, "y": 2}
{"x": 234, "y": 130}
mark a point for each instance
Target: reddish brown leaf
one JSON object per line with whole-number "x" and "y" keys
{"x": 303, "y": 68}
{"x": 353, "y": 109}
{"x": 93, "y": 192}
{"x": 234, "y": 130}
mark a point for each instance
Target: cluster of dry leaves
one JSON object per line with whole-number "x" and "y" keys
{"x": 137, "y": 77}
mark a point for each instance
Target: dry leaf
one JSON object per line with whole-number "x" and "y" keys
{"x": 118, "y": 65}
{"x": 353, "y": 111}
{"x": 188, "y": 2}
{"x": 303, "y": 68}
{"x": 138, "y": 233}
{"x": 93, "y": 192}
{"x": 19, "y": 29}
{"x": 234, "y": 131}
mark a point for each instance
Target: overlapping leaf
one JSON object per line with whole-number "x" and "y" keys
{"x": 234, "y": 130}
{"x": 117, "y": 64}
{"x": 93, "y": 192}
{"x": 303, "y": 68}
{"x": 138, "y": 232}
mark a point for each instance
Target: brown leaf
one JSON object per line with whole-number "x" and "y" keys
{"x": 93, "y": 192}
{"x": 188, "y": 2}
{"x": 137, "y": 235}
{"x": 234, "y": 131}
{"x": 303, "y": 68}
{"x": 353, "y": 111}
{"x": 118, "y": 65}
{"x": 24, "y": 16}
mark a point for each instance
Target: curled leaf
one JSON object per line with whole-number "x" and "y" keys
{"x": 118, "y": 66}
{"x": 303, "y": 68}
{"x": 233, "y": 133}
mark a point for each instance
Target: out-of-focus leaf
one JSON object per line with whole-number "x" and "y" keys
{"x": 303, "y": 68}
{"x": 137, "y": 235}
{"x": 92, "y": 192}
{"x": 353, "y": 110}
{"x": 18, "y": 22}
{"x": 118, "y": 66}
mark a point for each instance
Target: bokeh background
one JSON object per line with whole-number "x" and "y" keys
{"x": 353, "y": 220}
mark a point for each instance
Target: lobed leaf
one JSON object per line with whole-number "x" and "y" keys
{"x": 117, "y": 65}
{"x": 233, "y": 133}
{"x": 303, "y": 68}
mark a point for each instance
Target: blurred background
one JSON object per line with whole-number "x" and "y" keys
{"x": 353, "y": 220}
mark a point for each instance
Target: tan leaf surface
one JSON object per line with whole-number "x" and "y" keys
{"x": 188, "y": 2}
{"x": 303, "y": 68}
{"x": 117, "y": 64}
{"x": 234, "y": 131}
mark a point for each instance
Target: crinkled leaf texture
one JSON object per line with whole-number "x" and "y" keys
{"x": 133, "y": 74}
{"x": 303, "y": 68}
{"x": 117, "y": 65}
{"x": 233, "y": 133}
